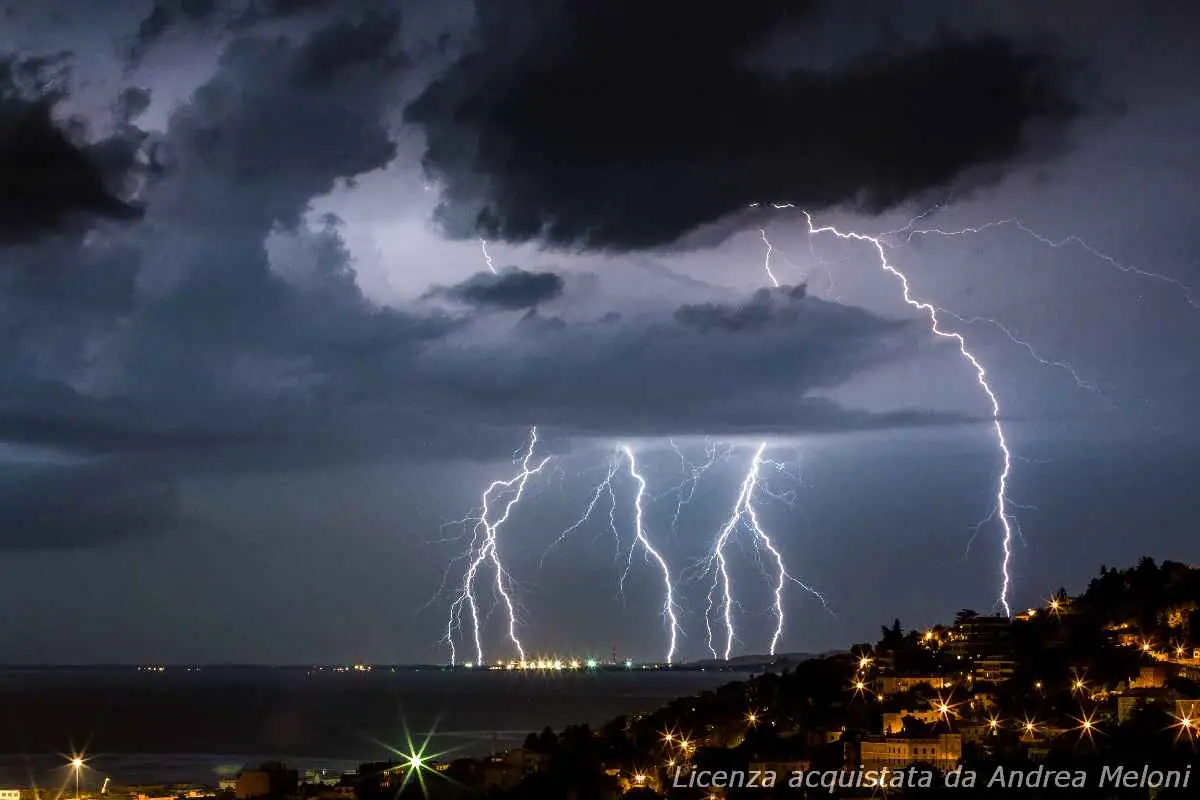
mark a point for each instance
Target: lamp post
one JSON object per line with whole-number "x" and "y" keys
{"x": 77, "y": 765}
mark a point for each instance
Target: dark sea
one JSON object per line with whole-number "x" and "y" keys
{"x": 194, "y": 726}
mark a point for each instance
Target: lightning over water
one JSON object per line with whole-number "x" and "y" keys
{"x": 745, "y": 514}
{"x": 499, "y": 498}
{"x": 605, "y": 487}
{"x": 484, "y": 550}
{"x": 670, "y": 612}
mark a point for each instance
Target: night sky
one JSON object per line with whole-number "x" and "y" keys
{"x": 254, "y": 359}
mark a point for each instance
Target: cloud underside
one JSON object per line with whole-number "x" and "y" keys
{"x": 624, "y": 126}
{"x": 511, "y": 289}
{"x": 171, "y": 328}
{"x": 83, "y": 506}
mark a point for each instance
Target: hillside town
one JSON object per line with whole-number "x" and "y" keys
{"x": 1099, "y": 689}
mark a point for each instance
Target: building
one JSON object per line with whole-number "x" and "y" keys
{"x": 975, "y": 732}
{"x": 993, "y": 670}
{"x": 322, "y": 777}
{"x": 982, "y": 637}
{"x": 897, "y": 752}
{"x": 271, "y": 779}
{"x": 893, "y": 721}
{"x": 20, "y": 794}
{"x": 500, "y": 774}
{"x": 167, "y": 791}
{"x": 895, "y": 684}
{"x": 1188, "y": 709}
{"x": 1150, "y": 677}
{"x": 1132, "y": 699}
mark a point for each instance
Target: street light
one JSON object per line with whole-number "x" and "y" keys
{"x": 77, "y": 766}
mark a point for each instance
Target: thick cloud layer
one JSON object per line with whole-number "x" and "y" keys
{"x": 215, "y": 15}
{"x": 511, "y": 289}
{"x": 84, "y": 505}
{"x": 48, "y": 181}
{"x": 226, "y": 325}
{"x": 625, "y": 125}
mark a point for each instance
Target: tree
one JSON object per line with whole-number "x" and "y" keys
{"x": 965, "y": 615}
{"x": 893, "y": 637}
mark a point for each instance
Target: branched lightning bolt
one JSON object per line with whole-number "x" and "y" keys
{"x": 931, "y": 311}
{"x": 639, "y": 528}
{"x": 685, "y": 490}
{"x": 604, "y": 487}
{"x": 486, "y": 257}
{"x": 484, "y": 548}
{"x": 745, "y": 512}
{"x": 1065, "y": 366}
{"x": 1186, "y": 291}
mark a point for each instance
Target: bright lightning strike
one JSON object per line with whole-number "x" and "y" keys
{"x": 486, "y": 257}
{"x": 669, "y": 611}
{"x": 931, "y": 311}
{"x": 744, "y": 512}
{"x": 767, "y": 258}
{"x": 484, "y": 548}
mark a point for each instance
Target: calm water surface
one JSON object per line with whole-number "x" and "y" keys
{"x": 193, "y": 726}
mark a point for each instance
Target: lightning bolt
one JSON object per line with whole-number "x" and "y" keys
{"x": 486, "y": 257}
{"x": 669, "y": 609}
{"x": 745, "y": 513}
{"x": 767, "y": 257}
{"x": 484, "y": 549}
{"x": 1007, "y": 332}
{"x": 910, "y": 232}
{"x": 604, "y": 487}
{"x": 685, "y": 490}
{"x": 931, "y": 311}
{"x": 1065, "y": 366}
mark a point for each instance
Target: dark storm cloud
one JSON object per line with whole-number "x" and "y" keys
{"x": 512, "y": 289}
{"x": 714, "y": 369}
{"x": 131, "y": 104}
{"x": 47, "y": 179}
{"x": 84, "y": 506}
{"x": 182, "y": 321}
{"x": 625, "y": 125}
{"x": 166, "y": 16}
{"x": 186, "y": 332}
